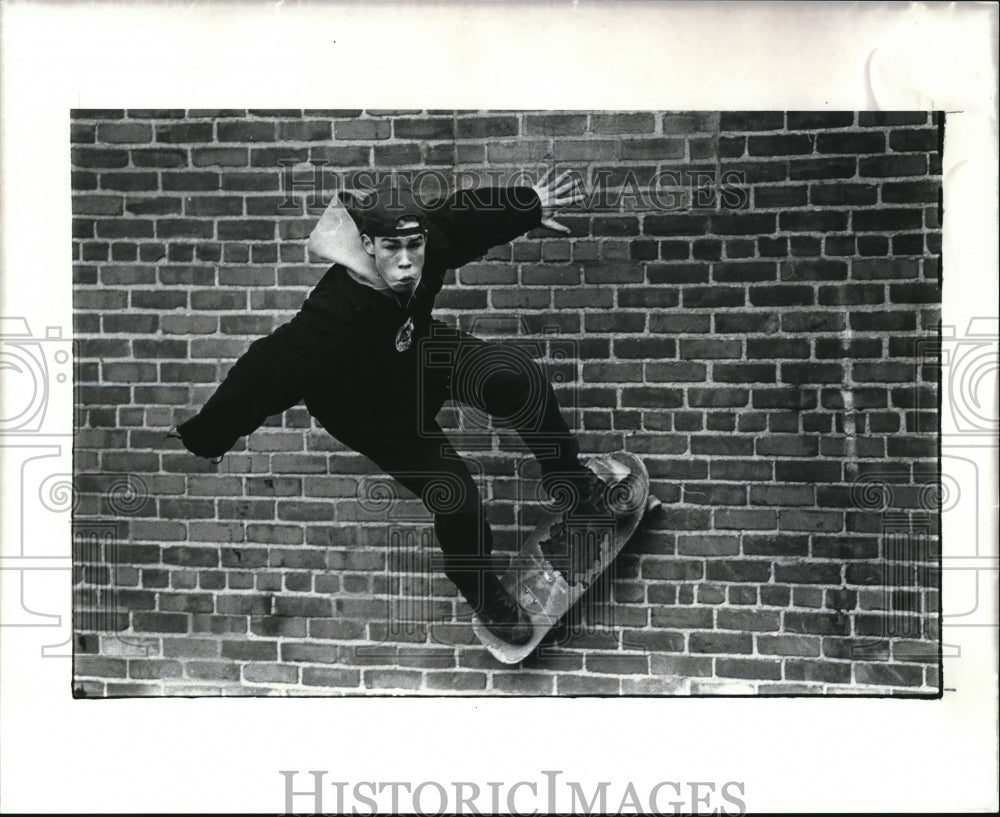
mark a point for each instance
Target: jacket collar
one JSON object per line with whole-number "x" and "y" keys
{"x": 362, "y": 296}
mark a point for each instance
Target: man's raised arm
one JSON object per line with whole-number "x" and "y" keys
{"x": 469, "y": 222}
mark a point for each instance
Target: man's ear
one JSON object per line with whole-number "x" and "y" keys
{"x": 368, "y": 244}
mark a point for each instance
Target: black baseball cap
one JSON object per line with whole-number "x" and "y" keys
{"x": 388, "y": 209}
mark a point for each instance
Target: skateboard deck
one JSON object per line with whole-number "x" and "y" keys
{"x": 548, "y": 580}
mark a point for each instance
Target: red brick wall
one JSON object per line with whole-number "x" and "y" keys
{"x": 767, "y": 351}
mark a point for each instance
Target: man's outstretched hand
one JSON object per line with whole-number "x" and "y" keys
{"x": 554, "y": 193}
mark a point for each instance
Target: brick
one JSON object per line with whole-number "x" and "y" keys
{"x": 911, "y": 192}
{"x": 555, "y": 124}
{"x": 883, "y": 372}
{"x": 224, "y": 157}
{"x": 756, "y": 668}
{"x": 100, "y": 667}
{"x": 246, "y": 230}
{"x": 681, "y": 618}
{"x": 851, "y": 142}
{"x": 490, "y": 127}
{"x": 843, "y": 349}
{"x": 628, "y": 297}
{"x": 250, "y": 650}
{"x": 817, "y": 623}
{"x": 623, "y": 123}
{"x": 308, "y": 653}
{"x": 887, "y": 166}
{"x": 887, "y": 219}
{"x": 818, "y": 671}
{"x": 523, "y": 683}
{"x": 910, "y": 139}
{"x": 782, "y": 295}
{"x": 645, "y": 347}
{"x": 883, "y": 118}
{"x": 653, "y": 640}
{"x": 687, "y": 122}
{"x": 618, "y": 664}
{"x": 187, "y": 602}
{"x": 81, "y": 134}
{"x": 181, "y": 132}
{"x": 730, "y": 271}
{"x": 888, "y": 674}
{"x": 819, "y": 120}
{"x": 160, "y": 622}
{"x": 424, "y": 128}
{"x": 676, "y": 224}
{"x": 813, "y": 221}
{"x": 270, "y": 674}
{"x": 672, "y": 569}
{"x": 159, "y": 157}
{"x": 751, "y": 120}
{"x": 98, "y": 205}
{"x": 812, "y": 471}
{"x": 212, "y": 671}
{"x": 742, "y": 223}
{"x": 780, "y": 196}
{"x": 832, "y": 167}
{"x": 184, "y": 228}
{"x": 812, "y": 372}
{"x": 915, "y": 293}
{"x": 252, "y": 181}
{"x": 741, "y": 570}
{"x": 716, "y": 397}
{"x": 589, "y": 150}
{"x": 612, "y": 372}
{"x": 726, "y": 643}
{"x": 744, "y": 372}
{"x": 191, "y": 556}
{"x": 200, "y": 180}
{"x": 807, "y": 573}
{"x": 153, "y": 668}
{"x": 781, "y": 494}
{"x": 331, "y": 677}
{"x": 885, "y": 321}
{"x": 780, "y": 145}
{"x": 302, "y": 606}
{"x": 713, "y": 297}
{"x": 586, "y": 685}
{"x": 653, "y": 148}
{"x": 457, "y": 681}
{"x": 99, "y": 158}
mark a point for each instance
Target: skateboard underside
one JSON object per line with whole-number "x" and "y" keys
{"x": 538, "y": 579}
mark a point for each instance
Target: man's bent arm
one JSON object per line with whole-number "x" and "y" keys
{"x": 470, "y": 222}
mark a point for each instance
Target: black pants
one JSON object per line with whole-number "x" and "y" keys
{"x": 395, "y": 426}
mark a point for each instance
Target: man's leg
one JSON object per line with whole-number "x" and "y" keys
{"x": 427, "y": 464}
{"x": 507, "y": 384}
{"x": 504, "y": 382}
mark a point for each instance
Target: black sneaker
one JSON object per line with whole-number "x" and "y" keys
{"x": 502, "y": 615}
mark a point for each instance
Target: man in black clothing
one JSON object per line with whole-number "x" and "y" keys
{"x": 357, "y": 354}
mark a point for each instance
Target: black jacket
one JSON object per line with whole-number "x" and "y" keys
{"x": 340, "y": 349}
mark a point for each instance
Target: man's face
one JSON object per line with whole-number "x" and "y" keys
{"x": 399, "y": 260}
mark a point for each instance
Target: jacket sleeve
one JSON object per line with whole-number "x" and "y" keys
{"x": 468, "y": 223}
{"x": 267, "y": 379}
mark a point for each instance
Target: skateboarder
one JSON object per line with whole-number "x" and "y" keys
{"x": 374, "y": 367}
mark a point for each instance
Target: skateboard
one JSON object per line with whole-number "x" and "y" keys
{"x": 562, "y": 558}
